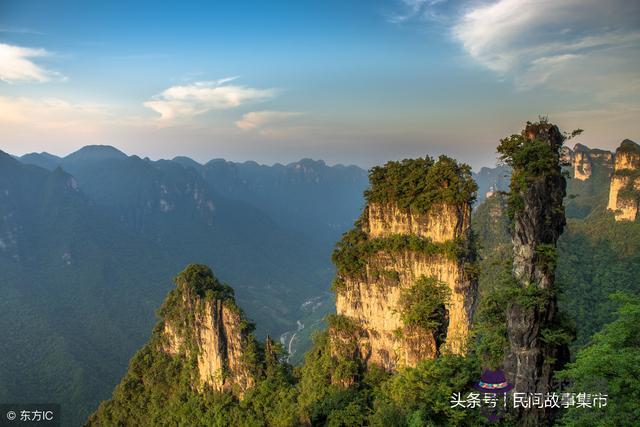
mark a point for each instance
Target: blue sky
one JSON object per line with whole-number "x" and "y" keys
{"x": 346, "y": 81}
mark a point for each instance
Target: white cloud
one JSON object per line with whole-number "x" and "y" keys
{"x": 200, "y": 97}
{"x": 541, "y": 69}
{"x": 259, "y": 119}
{"x": 17, "y": 65}
{"x": 424, "y": 10}
{"x": 533, "y": 40}
{"x": 50, "y": 113}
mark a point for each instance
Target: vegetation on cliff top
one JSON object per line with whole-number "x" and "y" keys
{"x": 628, "y": 146}
{"x": 531, "y": 158}
{"x": 195, "y": 287}
{"x": 355, "y": 249}
{"x": 419, "y": 184}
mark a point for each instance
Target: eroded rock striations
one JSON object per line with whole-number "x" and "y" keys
{"x": 624, "y": 192}
{"x": 202, "y": 322}
{"x": 535, "y": 202}
{"x": 406, "y": 287}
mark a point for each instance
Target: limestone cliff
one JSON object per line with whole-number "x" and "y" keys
{"x": 209, "y": 328}
{"x": 581, "y": 163}
{"x": 590, "y": 171}
{"x": 394, "y": 247}
{"x": 584, "y": 160}
{"x": 201, "y": 347}
{"x": 536, "y": 207}
{"x": 624, "y": 192}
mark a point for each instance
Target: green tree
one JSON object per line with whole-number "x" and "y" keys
{"x": 610, "y": 365}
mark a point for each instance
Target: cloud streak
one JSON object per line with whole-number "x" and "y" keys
{"x": 535, "y": 40}
{"x": 200, "y": 97}
{"x": 51, "y": 113}
{"x": 423, "y": 10}
{"x": 17, "y": 65}
{"x": 259, "y": 119}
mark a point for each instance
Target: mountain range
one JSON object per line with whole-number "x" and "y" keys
{"x": 89, "y": 242}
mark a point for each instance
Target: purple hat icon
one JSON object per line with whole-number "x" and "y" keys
{"x": 493, "y": 382}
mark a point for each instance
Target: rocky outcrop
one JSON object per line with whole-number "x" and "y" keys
{"x": 624, "y": 191}
{"x": 536, "y": 201}
{"x": 581, "y": 163}
{"x": 201, "y": 322}
{"x": 201, "y": 348}
{"x": 372, "y": 298}
{"x": 374, "y": 302}
{"x": 442, "y": 223}
{"x": 584, "y": 161}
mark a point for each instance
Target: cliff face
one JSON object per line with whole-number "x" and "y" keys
{"x": 374, "y": 298}
{"x": 581, "y": 163}
{"x": 590, "y": 170}
{"x": 217, "y": 342}
{"x": 202, "y": 344}
{"x": 584, "y": 161}
{"x": 443, "y": 223}
{"x": 624, "y": 192}
{"x": 538, "y": 220}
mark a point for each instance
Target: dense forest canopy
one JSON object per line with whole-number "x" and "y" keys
{"x": 418, "y": 184}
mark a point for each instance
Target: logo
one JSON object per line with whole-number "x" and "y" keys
{"x": 494, "y": 388}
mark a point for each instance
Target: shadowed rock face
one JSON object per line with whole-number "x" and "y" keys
{"x": 537, "y": 224}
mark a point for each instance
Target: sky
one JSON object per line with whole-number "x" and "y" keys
{"x": 352, "y": 82}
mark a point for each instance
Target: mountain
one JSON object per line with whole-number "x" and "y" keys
{"x": 74, "y": 283}
{"x": 102, "y": 233}
{"x": 88, "y": 245}
{"x": 597, "y": 252}
{"x": 589, "y": 176}
{"x": 202, "y": 343}
{"x": 188, "y": 216}
{"x": 44, "y": 160}
{"x": 203, "y": 367}
{"x": 492, "y": 180}
{"x": 93, "y": 153}
{"x": 624, "y": 193}
{"x": 589, "y": 172}
{"x": 536, "y": 210}
{"x": 307, "y": 196}
{"x": 309, "y": 201}
{"x": 411, "y": 249}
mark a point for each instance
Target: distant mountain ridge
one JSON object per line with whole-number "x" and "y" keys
{"x": 102, "y": 231}
{"x": 326, "y": 196}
